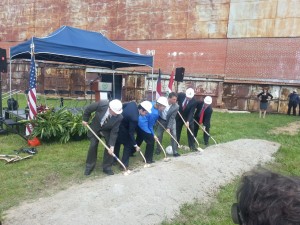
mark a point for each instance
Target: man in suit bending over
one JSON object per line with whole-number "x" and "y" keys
{"x": 105, "y": 124}
{"x": 131, "y": 113}
{"x": 167, "y": 120}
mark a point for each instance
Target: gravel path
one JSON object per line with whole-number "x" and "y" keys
{"x": 148, "y": 195}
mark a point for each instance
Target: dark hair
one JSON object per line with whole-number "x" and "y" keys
{"x": 267, "y": 198}
{"x": 141, "y": 107}
{"x": 172, "y": 94}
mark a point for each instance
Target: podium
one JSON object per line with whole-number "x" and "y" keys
{"x": 101, "y": 89}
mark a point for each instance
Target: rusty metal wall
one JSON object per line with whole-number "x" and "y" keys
{"x": 264, "y": 18}
{"x": 152, "y": 20}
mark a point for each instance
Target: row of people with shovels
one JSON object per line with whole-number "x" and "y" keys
{"x": 118, "y": 123}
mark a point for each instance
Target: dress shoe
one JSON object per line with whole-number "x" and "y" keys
{"x": 122, "y": 168}
{"x": 108, "y": 172}
{"x": 176, "y": 154}
{"x": 87, "y": 172}
{"x": 150, "y": 161}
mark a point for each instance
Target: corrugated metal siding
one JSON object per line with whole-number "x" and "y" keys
{"x": 150, "y": 20}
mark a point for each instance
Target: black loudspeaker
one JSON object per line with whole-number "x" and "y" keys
{"x": 3, "y": 63}
{"x": 179, "y": 74}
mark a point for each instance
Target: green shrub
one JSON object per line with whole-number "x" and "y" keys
{"x": 60, "y": 125}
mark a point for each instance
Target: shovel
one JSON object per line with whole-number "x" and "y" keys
{"x": 146, "y": 164}
{"x": 166, "y": 159}
{"x": 199, "y": 149}
{"x": 127, "y": 172}
{"x": 179, "y": 146}
{"x": 13, "y": 158}
{"x": 205, "y": 131}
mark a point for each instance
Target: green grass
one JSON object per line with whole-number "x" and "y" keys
{"x": 58, "y": 166}
{"x": 228, "y": 127}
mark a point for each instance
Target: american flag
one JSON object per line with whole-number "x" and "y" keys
{"x": 158, "y": 86}
{"x": 31, "y": 100}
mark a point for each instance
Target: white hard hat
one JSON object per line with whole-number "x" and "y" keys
{"x": 163, "y": 101}
{"x": 169, "y": 150}
{"x": 208, "y": 100}
{"x": 189, "y": 92}
{"x": 116, "y": 106}
{"x": 147, "y": 106}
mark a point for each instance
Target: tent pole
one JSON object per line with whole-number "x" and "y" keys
{"x": 114, "y": 84}
{"x": 9, "y": 78}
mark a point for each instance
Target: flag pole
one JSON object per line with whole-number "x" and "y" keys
{"x": 31, "y": 99}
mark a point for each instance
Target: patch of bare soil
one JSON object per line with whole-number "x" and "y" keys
{"x": 291, "y": 129}
{"x": 147, "y": 195}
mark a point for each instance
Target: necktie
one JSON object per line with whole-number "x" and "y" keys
{"x": 201, "y": 115}
{"x": 106, "y": 120}
{"x": 185, "y": 104}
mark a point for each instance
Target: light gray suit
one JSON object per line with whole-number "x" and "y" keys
{"x": 169, "y": 123}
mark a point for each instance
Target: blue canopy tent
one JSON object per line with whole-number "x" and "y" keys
{"x": 77, "y": 46}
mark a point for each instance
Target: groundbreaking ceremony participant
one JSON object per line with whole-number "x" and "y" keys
{"x": 145, "y": 130}
{"x": 167, "y": 120}
{"x": 105, "y": 124}
{"x": 202, "y": 116}
{"x": 187, "y": 103}
{"x": 127, "y": 128}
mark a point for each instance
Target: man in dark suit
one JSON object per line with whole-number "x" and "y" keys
{"x": 131, "y": 112}
{"x": 167, "y": 120}
{"x": 186, "y": 102}
{"x": 106, "y": 124}
{"x": 202, "y": 116}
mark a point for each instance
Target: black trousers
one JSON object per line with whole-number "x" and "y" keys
{"x": 290, "y": 106}
{"x": 92, "y": 156}
{"x": 205, "y": 136}
{"x": 149, "y": 139}
{"x": 126, "y": 151}
{"x": 179, "y": 125}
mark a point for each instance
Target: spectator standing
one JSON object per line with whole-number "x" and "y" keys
{"x": 293, "y": 102}
{"x": 264, "y": 97}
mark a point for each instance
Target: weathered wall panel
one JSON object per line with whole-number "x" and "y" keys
{"x": 150, "y": 20}
{"x": 264, "y": 18}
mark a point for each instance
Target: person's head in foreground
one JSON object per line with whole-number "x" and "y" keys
{"x": 267, "y": 198}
